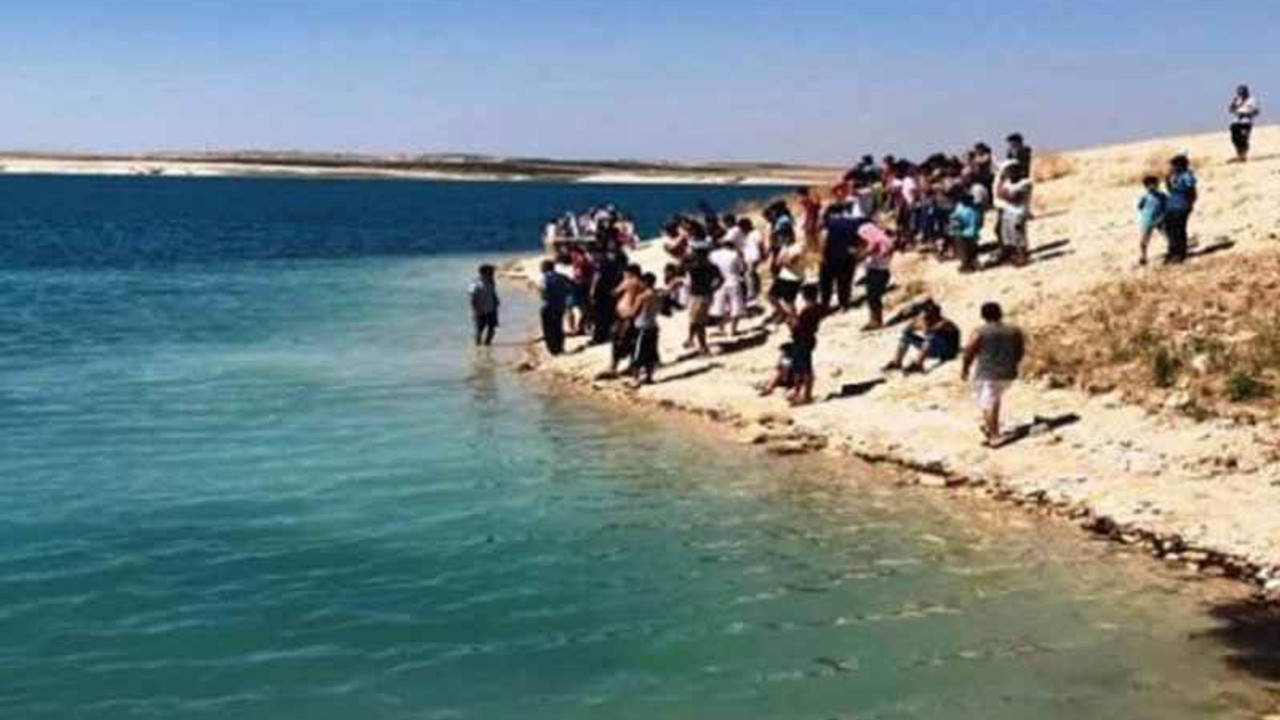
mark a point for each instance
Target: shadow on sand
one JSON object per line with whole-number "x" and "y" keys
{"x": 1038, "y": 425}
{"x": 690, "y": 373}
{"x": 850, "y": 390}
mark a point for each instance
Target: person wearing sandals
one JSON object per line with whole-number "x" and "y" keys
{"x": 992, "y": 358}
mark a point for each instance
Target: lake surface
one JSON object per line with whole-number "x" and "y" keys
{"x": 251, "y": 468}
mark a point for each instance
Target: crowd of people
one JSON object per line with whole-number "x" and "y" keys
{"x": 802, "y": 264}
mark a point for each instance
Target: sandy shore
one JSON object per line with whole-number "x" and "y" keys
{"x": 1201, "y": 494}
{"x": 464, "y": 169}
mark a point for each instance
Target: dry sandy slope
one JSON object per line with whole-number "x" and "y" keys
{"x": 1157, "y": 474}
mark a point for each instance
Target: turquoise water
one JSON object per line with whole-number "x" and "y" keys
{"x": 273, "y": 480}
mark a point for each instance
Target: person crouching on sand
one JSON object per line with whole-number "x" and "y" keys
{"x": 1151, "y": 207}
{"x": 804, "y": 339}
{"x": 993, "y": 356}
{"x": 782, "y": 376}
{"x": 646, "y": 358}
{"x": 484, "y": 305}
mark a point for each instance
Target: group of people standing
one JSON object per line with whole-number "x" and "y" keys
{"x": 802, "y": 264}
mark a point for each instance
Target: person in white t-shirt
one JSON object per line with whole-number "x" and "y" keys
{"x": 752, "y": 255}
{"x": 1243, "y": 108}
{"x": 729, "y": 302}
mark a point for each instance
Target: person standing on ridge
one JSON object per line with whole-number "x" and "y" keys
{"x": 1180, "y": 203}
{"x": 484, "y": 305}
{"x": 1243, "y": 108}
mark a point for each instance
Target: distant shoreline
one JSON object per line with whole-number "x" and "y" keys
{"x": 474, "y": 168}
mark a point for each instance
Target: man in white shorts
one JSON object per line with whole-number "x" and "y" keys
{"x": 730, "y": 301}
{"x": 994, "y": 354}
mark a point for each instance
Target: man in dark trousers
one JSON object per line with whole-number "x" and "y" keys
{"x": 554, "y": 289}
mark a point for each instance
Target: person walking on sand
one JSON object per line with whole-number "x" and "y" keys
{"x": 992, "y": 357}
{"x": 1243, "y": 108}
{"x": 1181, "y": 201}
{"x": 554, "y": 290}
{"x": 1151, "y": 208}
{"x": 484, "y": 305}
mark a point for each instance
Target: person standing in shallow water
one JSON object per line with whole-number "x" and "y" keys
{"x": 1243, "y": 108}
{"x": 993, "y": 356}
{"x": 484, "y": 305}
{"x": 554, "y": 289}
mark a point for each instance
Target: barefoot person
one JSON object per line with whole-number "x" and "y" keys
{"x": 484, "y": 305}
{"x": 993, "y": 356}
{"x": 1243, "y": 108}
{"x": 1014, "y": 191}
{"x": 729, "y": 304}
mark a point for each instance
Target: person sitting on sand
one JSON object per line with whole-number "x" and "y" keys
{"x": 649, "y": 305}
{"x": 484, "y": 305}
{"x": 729, "y": 304}
{"x": 993, "y": 356}
{"x": 554, "y": 290}
{"x": 704, "y": 280}
{"x": 804, "y": 339}
{"x": 1181, "y": 201}
{"x": 1014, "y": 191}
{"x": 1151, "y": 208}
{"x": 627, "y": 306}
{"x": 876, "y": 247}
{"x": 1243, "y": 108}
{"x": 932, "y": 335}
{"x": 782, "y": 376}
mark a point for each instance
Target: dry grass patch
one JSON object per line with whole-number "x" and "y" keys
{"x": 1204, "y": 340}
{"x": 1052, "y": 166}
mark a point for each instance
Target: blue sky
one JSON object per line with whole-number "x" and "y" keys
{"x": 820, "y": 81}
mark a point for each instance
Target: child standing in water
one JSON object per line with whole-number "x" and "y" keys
{"x": 1150, "y": 214}
{"x": 484, "y": 305}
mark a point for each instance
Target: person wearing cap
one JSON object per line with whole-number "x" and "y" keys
{"x": 1182, "y": 194}
{"x": 1243, "y": 108}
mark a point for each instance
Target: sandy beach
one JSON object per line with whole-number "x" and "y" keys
{"x": 434, "y": 167}
{"x": 1198, "y": 491}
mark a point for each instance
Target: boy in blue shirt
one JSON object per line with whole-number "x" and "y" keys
{"x": 1178, "y": 207}
{"x": 1151, "y": 209}
{"x": 966, "y": 226}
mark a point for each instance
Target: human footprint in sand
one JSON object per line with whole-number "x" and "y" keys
{"x": 994, "y": 354}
